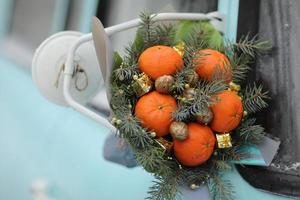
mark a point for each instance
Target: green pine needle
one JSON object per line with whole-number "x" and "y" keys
{"x": 131, "y": 129}
{"x": 240, "y": 67}
{"x": 222, "y": 165}
{"x": 147, "y": 30}
{"x": 220, "y": 188}
{"x": 210, "y": 88}
{"x": 155, "y": 34}
{"x": 182, "y": 113}
{"x": 195, "y": 175}
{"x": 151, "y": 159}
{"x": 255, "y": 98}
{"x": 165, "y": 34}
{"x": 203, "y": 99}
{"x": 235, "y": 153}
{"x": 128, "y": 67}
{"x": 119, "y": 100}
{"x": 180, "y": 79}
{"x": 165, "y": 188}
{"x": 252, "y": 46}
{"x": 249, "y": 133}
{"x": 126, "y": 73}
{"x": 196, "y": 38}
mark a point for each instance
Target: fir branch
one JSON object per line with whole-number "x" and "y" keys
{"x": 251, "y": 46}
{"x": 132, "y": 53}
{"x": 165, "y": 188}
{"x": 220, "y": 188}
{"x": 222, "y": 72}
{"x": 126, "y": 72}
{"x": 119, "y": 100}
{"x": 254, "y": 98}
{"x": 147, "y": 29}
{"x": 190, "y": 58}
{"x": 240, "y": 67}
{"x": 180, "y": 79}
{"x": 196, "y": 38}
{"x": 203, "y": 99}
{"x": 235, "y": 153}
{"x": 249, "y": 133}
{"x": 182, "y": 113}
{"x": 130, "y": 129}
{"x": 205, "y": 91}
{"x": 210, "y": 88}
{"x": 195, "y": 175}
{"x": 165, "y": 34}
{"x": 221, "y": 165}
{"x": 151, "y": 159}
{"x": 139, "y": 140}
{"x": 129, "y": 66}
{"x": 155, "y": 34}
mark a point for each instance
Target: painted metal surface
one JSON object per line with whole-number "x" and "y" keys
{"x": 231, "y": 9}
{"x": 60, "y": 15}
{"x": 88, "y": 10}
{"x": 42, "y": 141}
{"x": 6, "y": 7}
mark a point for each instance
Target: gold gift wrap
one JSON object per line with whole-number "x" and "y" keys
{"x": 142, "y": 84}
{"x": 234, "y": 87}
{"x": 179, "y": 48}
{"x": 224, "y": 140}
{"x": 165, "y": 144}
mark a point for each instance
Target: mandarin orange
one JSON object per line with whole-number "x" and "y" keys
{"x": 197, "y": 147}
{"x": 155, "y": 112}
{"x": 228, "y": 112}
{"x": 209, "y": 62}
{"x": 160, "y": 60}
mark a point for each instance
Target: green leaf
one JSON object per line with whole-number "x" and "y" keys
{"x": 183, "y": 29}
{"x": 216, "y": 40}
{"x": 117, "y": 60}
{"x": 212, "y": 37}
{"x": 138, "y": 40}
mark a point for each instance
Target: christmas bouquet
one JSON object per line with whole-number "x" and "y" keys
{"x": 177, "y": 99}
